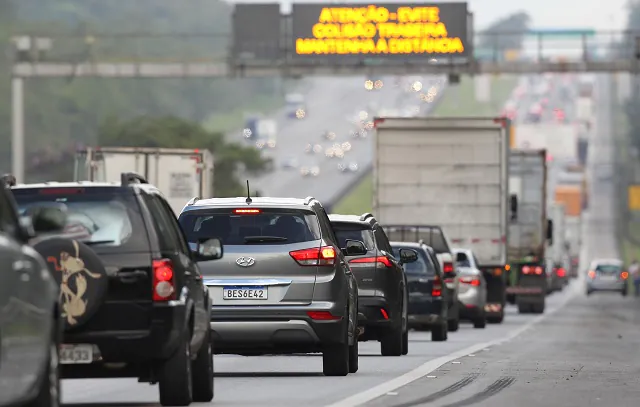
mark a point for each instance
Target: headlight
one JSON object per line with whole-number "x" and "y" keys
{"x": 300, "y": 113}
{"x": 246, "y": 133}
{"x": 368, "y": 85}
{"x": 317, "y": 148}
{"x": 378, "y": 84}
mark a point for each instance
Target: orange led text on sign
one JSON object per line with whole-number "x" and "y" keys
{"x": 377, "y": 30}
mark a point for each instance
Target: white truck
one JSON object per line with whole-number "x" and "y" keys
{"x": 180, "y": 174}
{"x": 452, "y": 173}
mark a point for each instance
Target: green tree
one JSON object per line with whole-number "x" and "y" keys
{"x": 174, "y": 132}
{"x": 507, "y": 33}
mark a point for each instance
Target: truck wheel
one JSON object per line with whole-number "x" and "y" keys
{"x": 453, "y": 325}
{"x": 405, "y": 342}
{"x": 353, "y": 356}
{"x": 174, "y": 377}
{"x": 335, "y": 357}
{"x": 439, "y": 332}
{"x": 202, "y": 372}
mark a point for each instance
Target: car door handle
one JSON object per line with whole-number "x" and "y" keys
{"x": 131, "y": 276}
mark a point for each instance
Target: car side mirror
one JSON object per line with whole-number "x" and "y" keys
{"x": 408, "y": 256}
{"x": 46, "y": 219}
{"x": 550, "y": 231}
{"x": 209, "y": 249}
{"x": 354, "y": 248}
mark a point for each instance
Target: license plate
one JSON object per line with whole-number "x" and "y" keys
{"x": 76, "y": 354}
{"x": 244, "y": 293}
{"x": 608, "y": 278}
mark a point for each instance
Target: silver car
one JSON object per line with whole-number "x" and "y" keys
{"x": 472, "y": 292}
{"x": 607, "y": 275}
{"x": 285, "y": 286}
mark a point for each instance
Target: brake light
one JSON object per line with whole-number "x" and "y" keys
{"x": 323, "y": 316}
{"x": 247, "y": 211}
{"x": 447, "y": 267}
{"x": 317, "y": 256}
{"x": 474, "y": 282}
{"x": 436, "y": 288}
{"x": 624, "y": 275}
{"x": 532, "y": 270}
{"x": 561, "y": 272}
{"x": 380, "y": 261}
{"x": 592, "y": 274}
{"x": 163, "y": 282}
{"x": 384, "y": 313}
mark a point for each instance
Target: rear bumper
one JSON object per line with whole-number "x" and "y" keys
{"x": 425, "y": 310}
{"x": 277, "y": 329}
{"x": 595, "y": 285}
{"x": 137, "y": 348}
{"x": 377, "y": 312}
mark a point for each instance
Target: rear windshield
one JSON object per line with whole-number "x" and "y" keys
{"x": 270, "y": 226}
{"x": 104, "y": 218}
{"x": 420, "y": 267}
{"x": 608, "y": 269}
{"x": 346, "y": 231}
{"x": 429, "y": 235}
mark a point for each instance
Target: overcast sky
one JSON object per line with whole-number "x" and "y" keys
{"x": 596, "y": 14}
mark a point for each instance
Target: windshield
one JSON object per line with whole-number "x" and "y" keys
{"x": 110, "y": 218}
{"x": 608, "y": 269}
{"x": 346, "y": 232}
{"x": 420, "y": 267}
{"x": 271, "y": 226}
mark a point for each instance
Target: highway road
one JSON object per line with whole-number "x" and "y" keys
{"x": 581, "y": 352}
{"x": 331, "y": 101}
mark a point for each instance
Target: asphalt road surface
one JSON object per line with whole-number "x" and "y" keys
{"x": 330, "y": 102}
{"x": 582, "y": 352}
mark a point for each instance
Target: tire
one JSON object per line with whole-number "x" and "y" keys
{"x": 335, "y": 357}
{"x": 624, "y": 292}
{"x": 453, "y": 325}
{"x": 49, "y": 389}
{"x": 202, "y": 372}
{"x": 439, "y": 332}
{"x": 405, "y": 342}
{"x": 174, "y": 378}
{"x": 353, "y": 356}
{"x": 391, "y": 343}
{"x": 480, "y": 322}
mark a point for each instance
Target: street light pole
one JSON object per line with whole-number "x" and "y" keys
{"x": 17, "y": 128}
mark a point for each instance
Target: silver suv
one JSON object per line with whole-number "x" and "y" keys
{"x": 285, "y": 286}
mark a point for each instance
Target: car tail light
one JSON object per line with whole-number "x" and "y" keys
{"x": 624, "y": 275}
{"x": 561, "y": 272}
{"x": 323, "y": 316}
{"x": 447, "y": 267}
{"x": 436, "y": 288}
{"x": 591, "y": 274}
{"x": 163, "y": 281}
{"x": 384, "y": 313}
{"x": 380, "y": 261}
{"x": 316, "y": 256}
{"x": 530, "y": 270}
{"x": 471, "y": 281}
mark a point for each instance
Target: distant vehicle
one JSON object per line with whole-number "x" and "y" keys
{"x": 428, "y": 303}
{"x": 473, "y": 288}
{"x": 295, "y": 106}
{"x": 373, "y": 83}
{"x": 351, "y": 167}
{"x": 607, "y": 275}
{"x": 310, "y": 171}
{"x": 382, "y": 285}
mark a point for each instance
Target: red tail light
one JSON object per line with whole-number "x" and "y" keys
{"x": 471, "y": 281}
{"x": 532, "y": 270}
{"x": 592, "y": 274}
{"x": 247, "y": 211}
{"x": 447, "y": 267}
{"x": 163, "y": 283}
{"x": 561, "y": 272}
{"x": 380, "y": 261}
{"x": 384, "y": 313}
{"x": 624, "y": 275}
{"x": 323, "y": 316}
{"x": 317, "y": 256}
{"x": 436, "y": 288}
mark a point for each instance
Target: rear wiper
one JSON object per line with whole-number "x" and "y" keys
{"x": 96, "y": 242}
{"x": 264, "y": 239}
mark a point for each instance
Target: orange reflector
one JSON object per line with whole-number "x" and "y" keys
{"x": 507, "y": 267}
{"x": 624, "y": 275}
{"x": 247, "y": 211}
{"x": 384, "y": 313}
{"x": 592, "y": 274}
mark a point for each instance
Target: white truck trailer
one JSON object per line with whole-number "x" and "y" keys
{"x": 180, "y": 174}
{"x": 452, "y": 173}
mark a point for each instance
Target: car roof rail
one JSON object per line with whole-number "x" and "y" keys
{"x": 8, "y": 180}
{"x": 366, "y": 216}
{"x": 193, "y": 200}
{"x": 128, "y": 178}
{"x": 308, "y": 200}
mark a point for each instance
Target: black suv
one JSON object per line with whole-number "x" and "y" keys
{"x": 132, "y": 299}
{"x": 382, "y": 284}
{"x": 29, "y": 314}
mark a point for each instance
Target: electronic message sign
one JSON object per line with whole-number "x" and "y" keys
{"x": 379, "y": 31}
{"x": 256, "y": 32}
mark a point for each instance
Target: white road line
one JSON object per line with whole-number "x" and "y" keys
{"x": 430, "y": 366}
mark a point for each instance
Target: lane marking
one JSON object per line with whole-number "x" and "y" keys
{"x": 434, "y": 364}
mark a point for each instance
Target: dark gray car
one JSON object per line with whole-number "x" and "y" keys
{"x": 382, "y": 285}
{"x": 284, "y": 285}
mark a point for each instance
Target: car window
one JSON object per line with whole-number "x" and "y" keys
{"x": 420, "y": 267}
{"x": 345, "y": 231}
{"x": 382, "y": 241}
{"x": 608, "y": 268}
{"x": 270, "y": 226}
{"x": 430, "y": 235}
{"x": 8, "y": 221}
{"x": 325, "y": 226}
{"x": 168, "y": 236}
{"x": 462, "y": 260}
{"x": 105, "y": 216}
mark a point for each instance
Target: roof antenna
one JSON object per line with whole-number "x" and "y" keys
{"x": 248, "y": 200}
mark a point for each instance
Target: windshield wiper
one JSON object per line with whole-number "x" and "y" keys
{"x": 96, "y": 242}
{"x": 264, "y": 239}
